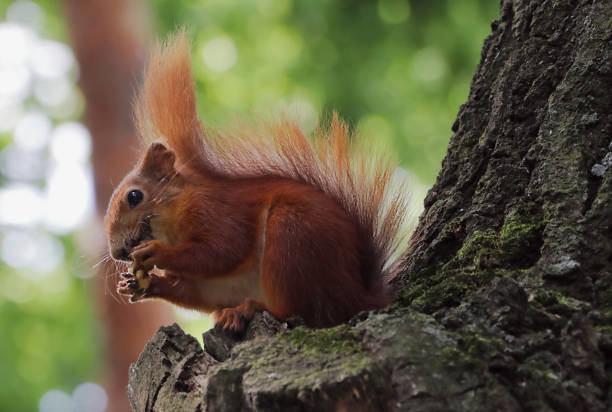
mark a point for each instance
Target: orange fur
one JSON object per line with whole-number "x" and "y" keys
{"x": 332, "y": 160}
{"x": 263, "y": 215}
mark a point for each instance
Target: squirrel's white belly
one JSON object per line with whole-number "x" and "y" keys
{"x": 232, "y": 290}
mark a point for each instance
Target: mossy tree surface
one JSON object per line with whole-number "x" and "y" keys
{"x": 506, "y": 301}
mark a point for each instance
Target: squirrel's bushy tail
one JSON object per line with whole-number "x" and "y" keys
{"x": 339, "y": 164}
{"x": 165, "y": 106}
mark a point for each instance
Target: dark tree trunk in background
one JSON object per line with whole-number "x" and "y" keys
{"x": 506, "y": 303}
{"x": 108, "y": 37}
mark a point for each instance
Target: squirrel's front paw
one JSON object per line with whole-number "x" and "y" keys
{"x": 147, "y": 255}
{"x": 136, "y": 286}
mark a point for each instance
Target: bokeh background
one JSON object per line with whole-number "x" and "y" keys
{"x": 396, "y": 70}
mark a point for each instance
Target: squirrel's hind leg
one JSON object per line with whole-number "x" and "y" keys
{"x": 235, "y": 320}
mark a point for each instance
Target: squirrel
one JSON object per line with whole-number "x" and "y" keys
{"x": 264, "y": 218}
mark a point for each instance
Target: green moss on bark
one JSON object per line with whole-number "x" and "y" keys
{"x": 520, "y": 237}
{"x": 337, "y": 340}
{"x": 484, "y": 255}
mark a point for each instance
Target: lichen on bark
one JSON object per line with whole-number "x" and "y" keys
{"x": 506, "y": 300}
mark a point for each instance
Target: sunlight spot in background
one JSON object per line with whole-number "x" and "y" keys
{"x": 9, "y": 114}
{"x": 33, "y": 130}
{"x": 22, "y": 165}
{"x": 26, "y": 13}
{"x": 393, "y": 11}
{"x": 20, "y": 205}
{"x": 16, "y": 42}
{"x": 55, "y": 401}
{"x": 15, "y": 76}
{"x": 220, "y": 54}
{"x": 48, "y": 186}
{"x": 69, "y": 198}
{"x": 14, "y": 83}
{"x": 71, "y": 143}
{"x": 52, "y": 92}
{"x": 70, "y": 106}
{"x": 36, "y": 252}
{"x": 429, "y": 64}
{"x": 69, "y": 190}
{"x": 51, "y": 59}
{"x": 65, "y": 204}
{"x": 45, "y": 69}
{"x": 87, "y": 397}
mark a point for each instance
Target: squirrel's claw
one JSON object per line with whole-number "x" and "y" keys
{"x": 126, "y": 275}
{"x": 127, "y": 287}
{"x": 136, "y": 286}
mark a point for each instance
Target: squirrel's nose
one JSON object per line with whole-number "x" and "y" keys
{"x": 120, "y": 254}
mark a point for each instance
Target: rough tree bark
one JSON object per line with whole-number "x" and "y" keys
{"x": 506, "y": 303}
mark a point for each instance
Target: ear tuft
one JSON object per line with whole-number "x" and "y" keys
{"x": 158, "y": 162}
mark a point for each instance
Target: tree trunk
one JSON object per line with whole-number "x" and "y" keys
{"x": 109, "y": 45}
{"x": 506, "y": 302}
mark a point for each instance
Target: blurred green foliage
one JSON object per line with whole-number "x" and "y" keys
{"x": 49, "y": 338}
{"x": 397, "y": 70}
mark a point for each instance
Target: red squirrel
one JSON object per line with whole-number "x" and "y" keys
{"x": 265, "y": 218}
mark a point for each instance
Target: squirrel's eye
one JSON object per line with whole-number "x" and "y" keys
{"x": 134, "y": 197}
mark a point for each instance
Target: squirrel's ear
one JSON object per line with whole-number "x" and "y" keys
{"x": 158, "y": 162}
